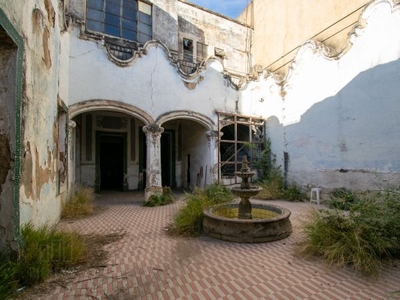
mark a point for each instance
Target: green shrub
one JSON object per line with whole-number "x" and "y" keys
{"x": 8, "y": 277}
{"x": 189, "y": 219}
{"x": 293, "y": 193}
{"x": 342, "y": 198}
{"x": 45, "y": 250}
{"x": 272, "y": 186}
{"x": 362, "y": 238}
{"x": 79, "y": 203}
{"x": 165, "y": 198}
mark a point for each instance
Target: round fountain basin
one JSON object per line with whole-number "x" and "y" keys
{"x": 256, "y": 230}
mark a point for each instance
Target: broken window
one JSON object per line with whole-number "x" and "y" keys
{"x": 202, "y": 51}
{"x": 128, "y": 19}
{"x": 187, "y": 50}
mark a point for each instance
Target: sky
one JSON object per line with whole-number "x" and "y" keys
{"x": 230, "y": 8}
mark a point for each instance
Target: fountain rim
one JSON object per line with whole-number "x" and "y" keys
{"x": 285, "y": 213}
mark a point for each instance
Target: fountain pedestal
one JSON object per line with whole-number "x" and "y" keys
{"x": 245, "y": 191}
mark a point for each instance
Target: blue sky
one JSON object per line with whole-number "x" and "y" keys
{"x": 230, "y": 8}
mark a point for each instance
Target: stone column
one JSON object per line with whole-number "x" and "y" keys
{"x": 212, "y": 137}
{"x": 153, "y": 162}
{"x": 71, "y": 151}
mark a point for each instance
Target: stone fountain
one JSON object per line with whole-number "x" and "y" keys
{"x": 245, "y": 191}
{"x": 272, "y": 222}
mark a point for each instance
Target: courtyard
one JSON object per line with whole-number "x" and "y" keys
{"x": 148, "y": 263}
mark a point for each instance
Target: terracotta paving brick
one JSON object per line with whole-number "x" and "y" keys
{"x": 149, "y": 264}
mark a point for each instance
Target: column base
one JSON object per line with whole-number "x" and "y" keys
{"x": 151, "y": 191}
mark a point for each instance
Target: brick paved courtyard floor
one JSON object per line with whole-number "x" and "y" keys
{"x": 147, "y": 263}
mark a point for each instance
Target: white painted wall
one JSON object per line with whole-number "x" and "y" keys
{"x": 151, "y": 83}
{"x": 339, "y": 121}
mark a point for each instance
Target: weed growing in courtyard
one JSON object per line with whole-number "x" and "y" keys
{"x": 46, "y": 250}
{"x": 79, "y": 203}
{"x": 165, "y": 198}
{"x": 190, "y": 217}
{"x": 362, "y": 238}
{"x": 342, "y": 198}
{"x": 8, "y": 277}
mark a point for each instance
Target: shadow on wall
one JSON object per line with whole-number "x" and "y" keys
{"x": 357, "y": 130}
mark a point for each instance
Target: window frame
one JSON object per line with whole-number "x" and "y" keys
{"x": 203, "y": 53}
{"x": 122, "y": 19}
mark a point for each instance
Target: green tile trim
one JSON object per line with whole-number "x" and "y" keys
{"x": 14, "y": 35}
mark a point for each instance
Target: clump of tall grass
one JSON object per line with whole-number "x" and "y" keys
{"x": 79, "y": 203}
{"x": 165, "y": 198}
{"x": 342, "y": 198}
{"x": 363, "y": 237}
{"x": 189, "y": 219}
{"x": 8, "y": 277}
{"x": 47, "y": 250}
{"x": 272, "y": 185}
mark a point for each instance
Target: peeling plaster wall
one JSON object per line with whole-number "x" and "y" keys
{"x": 338, "y": 117}
{"x": 37, "y": 22}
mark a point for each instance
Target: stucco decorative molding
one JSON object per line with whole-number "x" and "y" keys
{"x": 213, "y": 135}
{"x": 154, "y": 131}
{"x": 110, "y": 105}
{"x": 71, "y": 127}
{"x": 312, "y": 47}
{"x": 125, "y": 54}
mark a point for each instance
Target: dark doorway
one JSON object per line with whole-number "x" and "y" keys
{"x": 111, "y": 161}
{"x": 168, "y": 158}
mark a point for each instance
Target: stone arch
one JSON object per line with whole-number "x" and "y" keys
{"x": 116, "y": 106}
{"x": 188, "y": 115}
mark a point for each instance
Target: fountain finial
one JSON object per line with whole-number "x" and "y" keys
{"x": 245, "y": 165}
{"x": 244, "y": 173}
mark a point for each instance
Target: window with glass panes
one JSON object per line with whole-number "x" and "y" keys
{"x": 202, "y": 51}
{"x": 128, "y": 19}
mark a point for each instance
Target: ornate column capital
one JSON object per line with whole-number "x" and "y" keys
{"x": 213, "y": 135}
{"x": 153, "y": 129}
{"x": 71, "y": 126}
{"x": 153, "y": 132}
